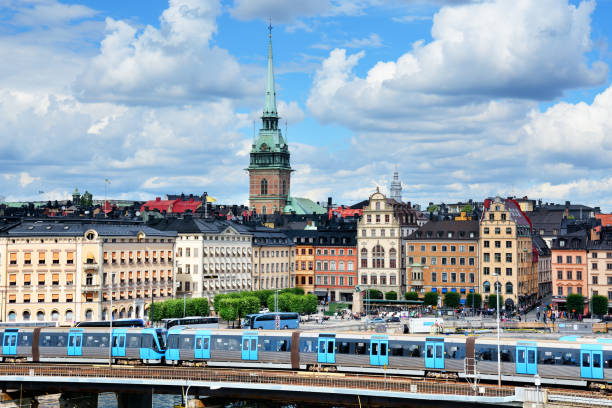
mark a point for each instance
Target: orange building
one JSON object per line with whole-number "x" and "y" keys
{"x": 336, "y": 265}
{"x": 304, "y": 259}
{"x": 569, "y": 267}
{"x": 442, "y": 256}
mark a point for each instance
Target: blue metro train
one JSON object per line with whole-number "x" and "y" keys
{"x": 565, "y": 361}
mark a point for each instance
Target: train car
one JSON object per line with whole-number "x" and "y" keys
{"x": 83, "y": 345}
{"x": 230, "y": 348}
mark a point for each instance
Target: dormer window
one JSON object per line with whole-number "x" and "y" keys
{"x": 449, "y": 235}
{"x": 562, "y": 243}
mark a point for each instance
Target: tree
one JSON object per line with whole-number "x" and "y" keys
{"x": 432, "y": 208}
{"x": 452, "y": 299}
{"x": 295, "y": 291}
{"x": 373, "y": 294}
{"x": 474, "y": 300}
{"x": 467, "y": 209}
{"x": 309, "y": 304}
{"x": 492, "y": 302}
{"x": 229, "y": 308}
{"x": 411, "y": 296}
{"x": 600, "y": 305}
{"x": 391, "y": 295}
{"x": 430, "y": 298}
{"x": 574, "y": 303}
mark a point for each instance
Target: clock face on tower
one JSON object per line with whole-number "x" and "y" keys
{"x": 269, "y": 168}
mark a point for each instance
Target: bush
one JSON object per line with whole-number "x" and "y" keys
{"x": 373, "y": 294}
{"x": 391, "y": 295}
{"x": 174, "y": 308}
{"x": 452, "y": 299}
{"x": 492, "y": 302}
{"x": 431, "y": 298}
{"x": 474, "y": 300}
{"x": 411, "y": 296}
{"x": 574, "y": 303}
{"x": 600, "y": 305}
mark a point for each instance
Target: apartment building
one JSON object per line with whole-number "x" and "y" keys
{"x": 599, "y": 263}
{"x": 506, "y": 253}
{"x": 544, "y": 266}
{"x": 442, "y": 256}
{"x": 212, "y": 256}
{"x": 272, "y": 259}
{"x": 569, "y": 266}
{"x": 304, "y": 259}
{"x": 67, "y": 270}
{"x": 336, "y": 264}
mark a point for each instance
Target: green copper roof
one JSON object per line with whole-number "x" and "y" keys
{"x": 303, "y": 206}
{"x": 270, "y": 106}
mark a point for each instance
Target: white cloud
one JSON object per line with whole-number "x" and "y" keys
{"x": 170, "y": 65}
{"x": 373, "y": 41}
{"x": 45, "y": 12}
{"x": 25, "y": 179}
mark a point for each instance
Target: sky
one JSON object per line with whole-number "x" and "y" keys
{"x": 464, "y": 98}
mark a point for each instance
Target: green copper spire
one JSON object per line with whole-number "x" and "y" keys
{"x": 270, "y": 106}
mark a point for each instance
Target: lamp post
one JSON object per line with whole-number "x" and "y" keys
{"x": 497, "y": 290}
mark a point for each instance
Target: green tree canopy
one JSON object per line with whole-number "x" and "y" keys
{"x": 411, "y": 296}
{"x": 431, "y": 298}
{"x": 600, "y": 305}
{"x": 492, "y": 301}
{"x": 574, "y": 303}
{"x": 474, "y": 300}
{"x": 451, "y": 299}
{"x": 391, "y": 295}
{"x": 373, "y": 294}
{"x": 467, "y": 208}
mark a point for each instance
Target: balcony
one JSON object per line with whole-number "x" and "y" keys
{"x": 417, "y": 282}
{"x": 90, "y": 287}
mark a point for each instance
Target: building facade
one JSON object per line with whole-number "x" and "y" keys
{"x": 304, "y": 258}
{"x": 67, "y": 271}
{"x": 544, "y": 267}
{"x": 336, "y": 265}
{"x": 269, "y": 168}
{"x": 506, "y": 253}
{"x": 442, "y": 256}
{"x": 569, "y": 266}
{"x": 272, "y": 260}
{"x": 600, "y": 265}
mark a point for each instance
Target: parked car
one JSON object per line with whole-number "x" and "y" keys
{"x": 393, "y": 319}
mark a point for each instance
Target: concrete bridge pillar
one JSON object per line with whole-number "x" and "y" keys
{"x": 78, "y": 400}
{"x": 130, "y": 400}
{"x": 195, "y": 403}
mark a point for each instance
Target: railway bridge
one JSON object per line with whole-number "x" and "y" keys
{"x": 80, "y": 384}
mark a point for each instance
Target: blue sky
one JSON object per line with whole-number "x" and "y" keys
{"x": 466, "y": 98}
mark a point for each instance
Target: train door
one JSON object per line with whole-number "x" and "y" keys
{"x": 379, "y": 350}
{"x": 118, "y": 345}
{"x": 75, "y": 343}
{"x": 591, "y": 361}
{"x": 202, "y": 344}
{"x": 9, "y": 342}
{"x": 249, "y": 345}
{"x": 526, "y": 358}
{"x": 327, "y": 349}
{"x": 434, "y": 353}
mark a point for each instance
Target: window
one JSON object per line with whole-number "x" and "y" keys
{"x": 508, "y": 271}
{"x": 560, "y": 290}
{"x": 472, "y": 277}
{"x": 509, "y": 288}
{"x": 594, "y": 280}
{"x": 378, "y": 257}
{"x": 27, "y": 258}
{"x": 568, "y": 259}
{"x": 497, "y": 230}
{"x": 471, "y": 261}
{"x": 13, "y": 258}
{"x": 434, "y": 260}
{"x": 444, "y": 277}
{"x": 609, "y": 280}
{"x": 453, "y": 277}
{"x": 569, "y": 275}
{"x": 364, "y": 258}
{"x": 350, "y": 265}
{"x": 579, "y": 275}
{"x": 486, "y": 257}
{"x": 485, "y": 230}
{"x": 508, "y": 257}
{"x": 559, "y": 259}
{"x": 508, "y": 244}
{"x": 453, "y": 248}
{"x": 392, "y": 258}
{"x": 579, "y": 290}
{"x": 570, "y": 290}
{"x": 508, "y": 230}
{"x": 497, "y": 244}
{"x": 471, "y": 248}
{"x": 443, "y": 260}
{"x": 434, "y": 248}
{"x": 578, "y": 259}
{"x": 560, "y": 275}
{"x": 41, "y": 258}
{"x": 486, "y": 270}
{"x": 486, "y": 244}
{"x": 503, "y": 217}
{"x": 434, "y": 276}
{"x": 497, "y": 257}
{"x": 387, "y": 218}
{"x": 497, "y": 271}
{"x": 264, "y": 187}
{"x": 444, "y": 248}
{"x": 486, "y": 287}
{"x": 594, "y": 265}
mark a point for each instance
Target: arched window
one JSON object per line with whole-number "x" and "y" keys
{"x": 26, "y": 316}
{"x": 89, "y": 279}
{"x": 130, "y": 311}
{"x": 89, "y": 314}
{"x": 509, "y": 288}
{"x": 264, "y": 187}
{"x": 284, "y": 187}
{"x": 486, "y": 287}
{"x": 12, "y": 316}
{"x": 364, "y": 258}
{"x": 40, "y": 316}
{"x": 392, "y": 258}
{"x": 55, "y": 315}
{"x": 497, "y": 287}
{"x": 378, "y": 205}
{"x": 378, "y": 257}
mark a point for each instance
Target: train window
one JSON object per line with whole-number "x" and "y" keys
{"x": 453, "y": 352}
{"x": 147, "y": 340}
{"x": 415, "y": 351}
{"x": 569, "y": 358}
{"x": 121, "y": 341}
{"x": 133, "y": 341}
{"x": 96, "y": 340}
{"x": 283, "y": 345}
{"x": 429, "y": 351}
{"x": 206, "y": 341}
{"x": 186, "y": 342}
{"x": 596, "y": 360}
{"x": 383, "y": 349}
{"x": 173, "y": 341}
{"x": 547, "y": 357}
{"x": 486, "y": 353}
{"x": 360, "y": 348}
{"x": 607, "y": 360}
{"x": 374, "y": 348}
{"x": 344, "y": 347}
{"x": 24, "y": 339}
{"x": 233, "y": 343}
{"x": 308, "y": 346}
{"x": 269, "y": 345}
{"x": 521, "y": 356}
{"x": 198, "y": 343}
{"x": 47, "y": 341}
{"x": 396, "y": 350}
{"x": 506, "y": 355}
{"x": 586, "y": 360}
{"x": 245, "y": 344}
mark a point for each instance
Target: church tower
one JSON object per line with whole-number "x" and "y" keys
{"x": 269, "y": 169}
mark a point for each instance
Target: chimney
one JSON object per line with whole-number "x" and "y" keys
{"x": 157, "y": 198}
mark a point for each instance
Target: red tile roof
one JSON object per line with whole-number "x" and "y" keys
{"x": 171, "y": 206}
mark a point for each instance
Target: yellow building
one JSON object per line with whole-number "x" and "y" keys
{"x": 506, "y": 253}
{"x": 61, "y": 270}
{"x": 272, "y": 260}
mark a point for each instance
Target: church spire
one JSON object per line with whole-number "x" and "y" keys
{"x": 270, "y": 106}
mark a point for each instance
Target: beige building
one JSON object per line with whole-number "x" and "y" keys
{"x": 599, "y": 259}
{"x": 273, "y": 257}
{"x": 61, "y": 270}
{"x": 211, "y": 256}
{"x": 506, "y": 253}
